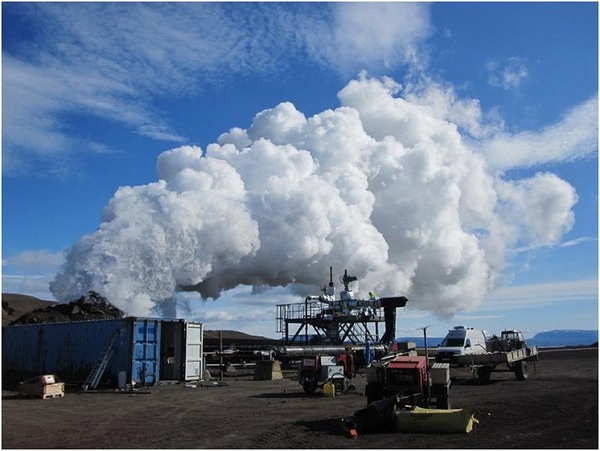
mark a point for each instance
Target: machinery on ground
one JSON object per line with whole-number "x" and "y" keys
{"x": 510, "y": 350}
{"x": 342, "y": 335}
{"x": 410, "y": 380}
{"x": 315, "y": 371}
{"x": 509, "y": 340}
{"x": 342, "y": 315}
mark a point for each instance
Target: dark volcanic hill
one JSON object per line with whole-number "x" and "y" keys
{"x": 16, "y": 305}
{"x": 91, "y": 306}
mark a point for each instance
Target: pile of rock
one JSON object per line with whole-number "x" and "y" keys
{"x": 91, "y": 306}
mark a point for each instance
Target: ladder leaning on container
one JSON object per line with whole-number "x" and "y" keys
{"x": 98, "y": 370}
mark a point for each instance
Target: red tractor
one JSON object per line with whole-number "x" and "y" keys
{"x": 411, "y": 379}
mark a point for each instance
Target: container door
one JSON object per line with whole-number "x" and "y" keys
{"x": 146, "y": 347}
{"x": 193, "y": 351}
{"x": 171, "y": 350}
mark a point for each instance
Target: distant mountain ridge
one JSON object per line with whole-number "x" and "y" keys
{"x": 565, "y": 338}
{"x": 550, "y": 338}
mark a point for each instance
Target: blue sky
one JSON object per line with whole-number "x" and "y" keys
{"x": 445, "y": 151}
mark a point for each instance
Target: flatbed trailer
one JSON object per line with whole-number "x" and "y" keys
{"x": 482, "y": 365}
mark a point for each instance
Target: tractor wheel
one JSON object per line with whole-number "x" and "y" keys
{"x": 309, "y": 386}
{"x": 521, "y": 370}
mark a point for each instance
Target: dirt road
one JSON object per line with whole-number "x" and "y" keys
{"x": 556, "y": 408}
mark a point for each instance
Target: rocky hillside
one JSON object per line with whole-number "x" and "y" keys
{"x": 16, "y": 305}
{"x": 89, "y": 307}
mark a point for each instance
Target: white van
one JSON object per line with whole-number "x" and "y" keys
{"x": 461, "y": 341}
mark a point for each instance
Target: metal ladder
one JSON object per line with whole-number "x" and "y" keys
{"x": 98, "y": 370}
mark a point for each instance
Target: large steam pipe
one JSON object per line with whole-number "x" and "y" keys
{"x": 389, "y": 314}
{"x": 294, "y": 352}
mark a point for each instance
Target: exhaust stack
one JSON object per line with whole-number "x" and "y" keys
{"x": 389, "y": 314}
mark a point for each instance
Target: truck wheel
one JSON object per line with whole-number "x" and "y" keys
{"x": 521, "y": 370}
{"x": 339, "y": 386}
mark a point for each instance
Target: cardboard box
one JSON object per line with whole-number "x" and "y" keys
{"x": 440, "y": 373}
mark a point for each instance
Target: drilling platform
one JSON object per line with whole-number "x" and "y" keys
{"x": 324, "y": 320}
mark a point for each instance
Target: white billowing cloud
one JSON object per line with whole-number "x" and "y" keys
{"x": 384, "y": 186}
{"x": 575, "y": 136}
{"x": 540, "y": 207}
{"x": 170, "y": 228}
{"x": 442, "y": 102}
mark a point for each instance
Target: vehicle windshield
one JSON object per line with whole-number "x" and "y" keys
{"x": 510, "y": 335}
{"x": 453, "y": 342}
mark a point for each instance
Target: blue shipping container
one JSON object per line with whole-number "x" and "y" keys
{"x": 145, "y": 350}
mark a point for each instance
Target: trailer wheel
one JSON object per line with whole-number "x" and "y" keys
{"x": 521, "y": 370}
{"x": 339, "y": 386}
{"x": 484, "y": 374}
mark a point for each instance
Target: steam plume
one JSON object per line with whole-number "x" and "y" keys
{"x": 383, "y": 186}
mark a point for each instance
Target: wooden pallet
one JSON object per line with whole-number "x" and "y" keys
{"x": 42, "y": 387}
{"x": 53, "y": 395}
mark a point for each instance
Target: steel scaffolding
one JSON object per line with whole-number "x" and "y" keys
{"x": 310, "y": 322}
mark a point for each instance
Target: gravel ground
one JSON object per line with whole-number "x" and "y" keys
{"x": 557, "y": 407}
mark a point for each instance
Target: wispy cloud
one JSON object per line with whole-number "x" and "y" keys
{"x": 570, "y": 243}
{"x": 117, "y": 61}
{"x": 29, "y": 272}
{"x": 370, "y": 35}
{"x": 574, "y": 137}
{"x": 239, "y": 308}
{"x": 508, "y": 74}
{"x": 36, "y": 260}
{"x": 31, "y": 285}
{"x": 577, "y": 241}
{"x": 525, "y": 296}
